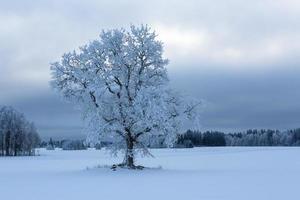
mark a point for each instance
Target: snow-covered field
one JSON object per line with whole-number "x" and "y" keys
{"x": 227, "y": 173}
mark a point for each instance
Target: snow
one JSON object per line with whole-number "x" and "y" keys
{"x": 225, "y": 173}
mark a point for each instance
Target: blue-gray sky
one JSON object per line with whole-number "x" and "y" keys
{"x": 241, "y": 57}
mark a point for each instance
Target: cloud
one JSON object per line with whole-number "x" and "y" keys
{"x": 207, "y": 46}
{"x": 238, "y": 55}
{"x": 180, "y": 41}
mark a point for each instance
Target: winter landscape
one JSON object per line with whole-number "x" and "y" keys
{"x": 187, "y": 99}
{"x": 217, "y": 173}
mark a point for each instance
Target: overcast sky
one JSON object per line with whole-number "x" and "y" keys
{"x": 242, "y": 58}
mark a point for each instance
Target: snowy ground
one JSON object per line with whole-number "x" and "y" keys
{"x": 266, "y": 173}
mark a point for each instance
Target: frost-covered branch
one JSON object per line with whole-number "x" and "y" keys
{"x": 120, "y": 83}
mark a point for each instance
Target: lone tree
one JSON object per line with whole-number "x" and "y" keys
{"x": 120, "y": 84}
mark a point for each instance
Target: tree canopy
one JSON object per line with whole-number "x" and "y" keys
{"x": 120, "y": 83}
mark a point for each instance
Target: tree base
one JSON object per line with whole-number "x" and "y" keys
{"x": 124, "y": 166}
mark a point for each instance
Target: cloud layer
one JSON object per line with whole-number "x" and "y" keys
{"x": 241, "y": 57}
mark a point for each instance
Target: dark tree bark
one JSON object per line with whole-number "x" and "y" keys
{"x": 15, "y": 145}
{"x": 2, "y": 144}
{"x": 7, "y": 143}
{"x": 129, "y": 156}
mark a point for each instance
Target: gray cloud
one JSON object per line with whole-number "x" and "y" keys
{"x": 240, "y": 57}
{"x": 52, "y": 116}
{"x": 240, "y": 100}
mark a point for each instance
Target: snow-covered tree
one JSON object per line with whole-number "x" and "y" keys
{"x": 17, "y": 135}
{"x": 120, "y": 83}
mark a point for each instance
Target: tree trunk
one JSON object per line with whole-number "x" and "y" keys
{"x": 15, "y": 146}
{"x": 7, "y": 144}
{"x": 129, "y": 156}
{"x": 2, "y": 145}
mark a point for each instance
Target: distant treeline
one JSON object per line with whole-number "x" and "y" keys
{"x": 251, "y": 137}
{"x": 64, "y": 144}
{"x": 191, "y": 139}
{"x": 196, "y": 138}
{"x": 17, "y": 135}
